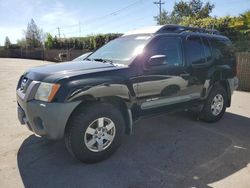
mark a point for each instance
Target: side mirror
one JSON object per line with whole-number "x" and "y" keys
{"x": 157, "y": 60}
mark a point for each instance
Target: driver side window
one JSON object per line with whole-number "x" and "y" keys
{"x": 170, "y": 47}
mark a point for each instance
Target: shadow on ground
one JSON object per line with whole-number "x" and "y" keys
{"x": 173, "y": 150}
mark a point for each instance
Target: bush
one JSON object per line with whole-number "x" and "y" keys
{"x": 88, "y": 43}
{"x": 236, "y": 28}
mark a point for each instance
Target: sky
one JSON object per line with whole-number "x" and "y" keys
{"x": 83, "y": 17}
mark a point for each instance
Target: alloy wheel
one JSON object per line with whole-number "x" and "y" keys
{"x": 99, "y": 134}
{"x": 217, "y": 104}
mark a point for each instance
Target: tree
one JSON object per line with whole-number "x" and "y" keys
{"x": 166, "y": 18}
{"x": 182, "y": 9}
{"x": 22, "y": 43}
{"x": 236, "y": 28}
{"x": 246, "y": 20}
{"x": 7, "y": 42}
{"x": 91, "y": 42}
{"x": 48, "y": 41}
{"x": 194, "y": 9}
{"x": 33, "y": 35}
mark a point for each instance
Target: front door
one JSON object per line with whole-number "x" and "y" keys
{"x": 167, "y": 83}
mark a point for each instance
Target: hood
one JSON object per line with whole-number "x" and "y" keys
{"x": 53, "y": 72}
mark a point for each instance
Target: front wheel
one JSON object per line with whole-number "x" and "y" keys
{"x": 94, "y": 132}
{"x": 215, "y": 105}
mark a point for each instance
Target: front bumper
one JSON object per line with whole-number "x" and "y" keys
{"x": 45, "y": 119}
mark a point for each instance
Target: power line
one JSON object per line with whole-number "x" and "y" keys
{"x": 112, "y": 20}
{"x": 101, "y": 18}
{"x": 159, "y": 3}
{"x": 114, "y": 13}
{"x": 120, "y": 23}
{"x": 117, "y": 24}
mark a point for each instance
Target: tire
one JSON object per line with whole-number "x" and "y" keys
{"x": 213, "y": 111}
{"x": 83, "y": 137}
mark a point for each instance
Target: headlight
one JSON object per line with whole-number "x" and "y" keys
{"x": 46, "y": 91}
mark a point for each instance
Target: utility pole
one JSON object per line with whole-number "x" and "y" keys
{"x": 59, "y": 34}
{"x": 159, "y": 3}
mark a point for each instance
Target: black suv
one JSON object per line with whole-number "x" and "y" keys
{"x": 93, "y": 102}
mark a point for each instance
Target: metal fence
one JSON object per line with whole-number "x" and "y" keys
{"x": 243, "y": 69}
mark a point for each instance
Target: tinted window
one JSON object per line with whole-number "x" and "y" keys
{"x": 194, "y": 50}
{"x": 207, "y": 50}
{"x": 171, "y": 47}
{"x": 222, "y": 48}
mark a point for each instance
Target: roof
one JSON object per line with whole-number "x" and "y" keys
{"x": 144, "y": 30}
{"x": 170, "y": 28}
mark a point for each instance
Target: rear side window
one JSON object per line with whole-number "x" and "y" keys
{"x": 222, "y": 48}
{"x": 207, "y": 50}
{"x": 194, "y": 50}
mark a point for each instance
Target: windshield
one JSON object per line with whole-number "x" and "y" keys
{"x": 82, "y": 57}
{"x": 121, "y": 50}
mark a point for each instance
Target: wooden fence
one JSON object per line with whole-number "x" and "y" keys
{"x": 41, "y": 54}
{"x": 243, "y": 69}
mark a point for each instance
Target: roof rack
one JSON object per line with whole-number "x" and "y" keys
{"x": 180, "y": 29}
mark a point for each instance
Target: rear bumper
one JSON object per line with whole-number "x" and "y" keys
{"x": 45, "y": 119}
{"x": 236, "y": 83}
{"x": 233, "y": 84}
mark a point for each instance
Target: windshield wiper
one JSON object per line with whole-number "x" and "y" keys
{"x": 104, "y": 60}
{"x": 88, "y": 59}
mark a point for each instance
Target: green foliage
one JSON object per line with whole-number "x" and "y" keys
{"x": 195, "y": 9}
{"x": 166, "y": 18}
{"x": 48, "y": 41}
{"x": 182, "y": 9}
{"x": 244, "y": 22}
{"x": 197, "y": 14}
{"x": 236, "y": 28}
{"x": 7, "y": 42}
{"x": 89, "y": 43}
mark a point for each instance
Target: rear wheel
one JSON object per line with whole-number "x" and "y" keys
{"x": 215, "y": 105}
{"x": 94, "y": 132}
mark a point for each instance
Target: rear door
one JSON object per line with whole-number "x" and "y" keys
{"x": 198, "y": 57}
